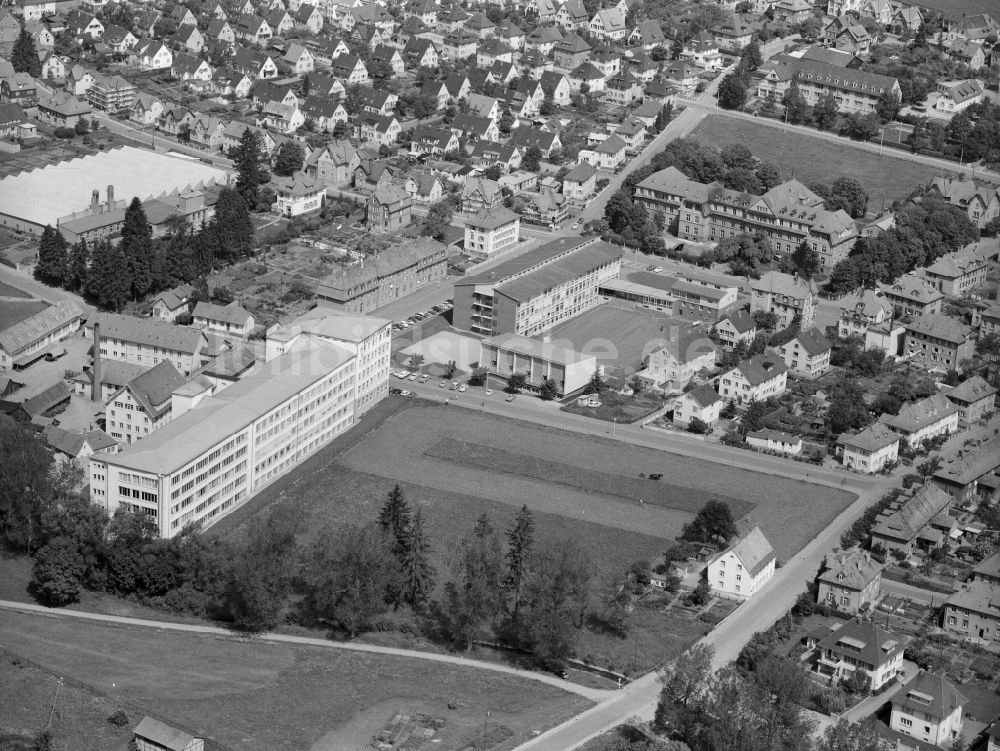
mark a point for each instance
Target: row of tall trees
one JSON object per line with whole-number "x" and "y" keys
{"x": 112, "y": 273}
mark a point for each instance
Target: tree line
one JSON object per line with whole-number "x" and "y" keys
{"x": 110, "y": 274}
{"x": 498, "y": 584}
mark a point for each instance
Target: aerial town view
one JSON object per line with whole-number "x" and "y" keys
{"x": 499, "y": 375}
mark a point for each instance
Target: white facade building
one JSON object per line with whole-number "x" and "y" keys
{"x": 744, "y": 568}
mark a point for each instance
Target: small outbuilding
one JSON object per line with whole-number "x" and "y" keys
{"x": 153, "y": 735}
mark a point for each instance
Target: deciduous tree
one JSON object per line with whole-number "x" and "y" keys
{"x": 57, "y": 571}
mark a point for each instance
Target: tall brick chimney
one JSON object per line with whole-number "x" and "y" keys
{"x": 95, "y": 202}
{"x": 95, "y": 389}
{"x": 111, "y": 197}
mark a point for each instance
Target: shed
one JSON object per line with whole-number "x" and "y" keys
{"x": 153, "y": 735}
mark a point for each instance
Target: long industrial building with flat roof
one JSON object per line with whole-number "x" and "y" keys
{"x": 209, "y": 460}
{"x": 537, "y": 290}
{"x": 31, "y": 200}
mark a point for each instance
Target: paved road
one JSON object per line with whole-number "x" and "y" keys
{"x": 159, "y": 143}
{"x": 728, "y": 638}
{"x": 193, "y": 628}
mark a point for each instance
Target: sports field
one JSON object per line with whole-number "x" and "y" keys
{"x": 255, "y": 696}
{"x": 812, "y": 160}
{"x": 618, "y": 337}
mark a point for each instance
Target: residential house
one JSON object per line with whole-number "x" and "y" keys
{"x": 420, "y": 53}
{"x": 961, "y": 273}
{"x": 685, "y": 354}
{"x": 967, "y": 51}
{"x": 430, "y": 140}
{"x": 974, "y": 612}
{"x": 208, "y": 130}
{"x": 379, "y": 130}
{"x": 349, "y": 69}
{"x": 572, "y": 15}
{"x": 480, "y": 25}
{"x": 219, "y": 30}
{"x": 486, "y": 154}
{"x": 648, "y": 35}
{"x": 774, "y": 441}
{"x": 912, "y": 295}
{"x": 756, "y": 379}
{"x": 19, "y": 89}
{"x": 857, "y": 91}
{"x": 492, "y": 231}
{"x": 586, "y": 78}
{"x": 334, "y": 164}
{"x": 974, "y": 397}
{"x": 78, "y": 447}
{"x": 734, "y": 328}
{"x": 299, "y": 58}
{"x": 459, "y": 45}
{"x": 121, "y": 40}
{"x": 608, "y": 24}
{"x": 190, "y": 68}
{"x": 175, "y": 120}
{"x": 143, "y": 405}
{"x": 252, "y": 29}
{"x": 308, "y": 17}
{"x": 280, "y": 21}
{"x": 924, "y": 419}
{"x": 255, "y": 64}
{"x": 957, "y": 96}
{"x": 701, "y": 403}
{"x": 860, "y": 648}
{"x": 929, "y": 709}
{"x": 869, "y": 450}
{"x": 146, "y": 110}
{"x": 423, "y": 186}
{"x": 703, "y": 52}
{"x": 525, "y": 137}
{"x": 938, "y": 341}
{"x": 298, "y": 194}
{"x": 190, "y": 38}
{"x": 851, "y": 581}
{"x": 556, "y": 87}
{"x": 389, "y": 57}
{"x": 786, "y": 296}
{"x": 474, "y": 128}
{"x": 229, "y": 321}
{"x": 53, "y": 67}
{"x": 860, "y": 311}
{"x": 543, "y": 40}
{"x": 624, "y": 89}
{"x": 682, "y": 76}
{"x": 480, "y": 193}
{"x": 388, "y": 208}
{"x": 908, "y": 528}
{"x": 733, "y": 34}
{"x": 571, "y": 51}
{"x": 808, "y": 354}
{"x": 171, "y": 303}
{"x": 608, "y": 155}
{"x": 60, "y": 110}
{"x": 580, "y": 183}
{"x": 743, "y": 569}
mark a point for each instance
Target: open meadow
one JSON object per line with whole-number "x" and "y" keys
{"x": 814, "y": 160}
{"x": 243, "y": 694}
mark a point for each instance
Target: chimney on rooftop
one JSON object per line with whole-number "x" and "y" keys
{"x": 95, "y": 201}
{"x": 111, "y": 197}
{"x": 95, "y": 389}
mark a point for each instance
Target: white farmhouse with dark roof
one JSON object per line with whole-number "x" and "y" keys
{"x": 744, "y": 568}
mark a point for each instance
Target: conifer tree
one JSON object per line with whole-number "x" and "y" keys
{"x": 52, "y": 260}
{"x": 24, "y": 56}
{"x": 394, "y": 519}
{"x": 248, "y": 158}
{"x": 520, "y": 542}
{"x": 108, "y": 281}
{"x": 79, "y": 263}
{"x": 204, "y": 250}
{"x": 233, "y": 226}
{"x": 137, "y": 246}
{"x": 418, "y": 574}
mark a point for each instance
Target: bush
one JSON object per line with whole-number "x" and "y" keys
{"x": 697, "y": 426}
{"x": 119, "y": 718}
{"x": 65, "y": 133}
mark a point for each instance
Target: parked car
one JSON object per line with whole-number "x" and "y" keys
{"x": 394, "y": 390}
{"x": 406, "y": 393}
{"x": 463, "y": 388}
{"x": 510, "y": 397}
{"x": 489, "y": 392}
{"x": 411, "y": 377}
{"x": 442, "y": 384}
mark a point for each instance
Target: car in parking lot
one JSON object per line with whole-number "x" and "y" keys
{"x": 443, "y": 384}
{"x": 510, "y": 397}
{"x": 424, "y": 378}
{"x": 463, "y": 388}
{"x": 393, "y": 390}
{"x": 411, "y": 377}
{"x": 455, "y": 384}
{"x": 406, "y": 393}
{"x": 489, "y": 392}
{"x": 656, "y": 269}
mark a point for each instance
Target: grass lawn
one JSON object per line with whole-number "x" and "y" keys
{"x": 628, "y": 488}
{"x": 12, "y": 312}
{"x": 9, "y": 290}
{"x": 619, "y": 338}
{"x": 812, "y": 160}
{"x": 269, "y": 697}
